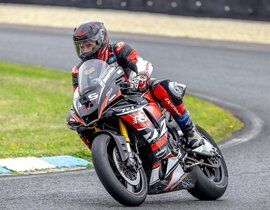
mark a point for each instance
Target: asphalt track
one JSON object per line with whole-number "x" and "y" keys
{"x": 233, "y": 75}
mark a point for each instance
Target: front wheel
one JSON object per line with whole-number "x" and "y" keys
{"x": 129, "y": 187}
{"x": 211, "y": 183}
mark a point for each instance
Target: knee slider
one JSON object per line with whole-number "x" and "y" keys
{"x": 177, "y": 90}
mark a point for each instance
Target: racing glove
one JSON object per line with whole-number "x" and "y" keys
{"x": 75, "y": 71}
{"x": 140, "y": 82}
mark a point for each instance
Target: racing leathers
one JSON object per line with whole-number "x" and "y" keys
{"x": 138, "y": 71}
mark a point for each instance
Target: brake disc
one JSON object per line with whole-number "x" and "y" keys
{"x": 131, "y": 176}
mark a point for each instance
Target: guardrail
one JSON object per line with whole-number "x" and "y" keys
{"x": 243, "y": 9}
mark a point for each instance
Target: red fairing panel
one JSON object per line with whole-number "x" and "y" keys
{"x": 152, "y": 107}
{"x": 159, "y": 143}
{"x": 154, "y": 110}
{"x": 149, "y": 97}
{"x": 137, "y": 119}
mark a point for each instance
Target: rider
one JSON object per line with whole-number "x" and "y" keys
{"x": 91, "y": 42}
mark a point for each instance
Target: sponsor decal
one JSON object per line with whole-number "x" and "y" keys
{"x": 172, "y": 106}
{"x": 129, "y": 108}
{"x": 89, "y": 70}
{"x": 119, "y": 46}
{"x": 140, "y": 118}
{"x": 93, "y": 96}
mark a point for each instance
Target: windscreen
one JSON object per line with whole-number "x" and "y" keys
{"x": 91, "y": 73}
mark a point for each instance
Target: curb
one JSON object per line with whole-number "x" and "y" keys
{"x": 34, "y": 164}
{"x": 253, "y": 125}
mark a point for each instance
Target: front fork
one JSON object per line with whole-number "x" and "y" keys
{"x": 123, "y": 132}
{"x": 133, "y": 159}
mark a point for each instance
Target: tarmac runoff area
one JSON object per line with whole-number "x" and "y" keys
{"x": 126, "y": 22}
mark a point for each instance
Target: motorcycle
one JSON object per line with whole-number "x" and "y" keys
{"x": 137, "y": 147}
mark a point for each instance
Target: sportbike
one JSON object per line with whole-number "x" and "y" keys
{"x": 136, "y": 145}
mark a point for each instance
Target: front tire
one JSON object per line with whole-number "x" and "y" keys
{"x": 211, "y": 184}
{"x": 125, "y": 187}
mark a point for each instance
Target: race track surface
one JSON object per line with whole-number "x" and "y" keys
{"x": 233, "y": 75}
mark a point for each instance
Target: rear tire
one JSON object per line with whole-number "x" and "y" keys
{"x": 211, "y": 184}
{"x": 104, "y": 155}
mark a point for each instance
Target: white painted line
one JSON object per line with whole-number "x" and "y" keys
{"x": 256, "y": 123}
{"x": 25, "y": 164}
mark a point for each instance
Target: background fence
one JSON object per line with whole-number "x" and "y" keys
{"x": 243, "y": 9}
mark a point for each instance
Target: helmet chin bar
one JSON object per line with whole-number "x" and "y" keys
{"x": 89, "y": 55}
{"x": 92, "y": 30}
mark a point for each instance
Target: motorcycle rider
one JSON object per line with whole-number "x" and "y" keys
{"x": 91, "y": 41}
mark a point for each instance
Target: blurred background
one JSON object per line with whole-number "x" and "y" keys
{"x": 242, "y": 9}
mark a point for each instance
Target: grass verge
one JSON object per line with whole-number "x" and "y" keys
{"x": 33, "y": 106}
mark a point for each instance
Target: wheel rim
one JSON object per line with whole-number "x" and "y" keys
{"x": 132, "y": 180}
{"x": 214, "y": 174}
{"x": 132, "y": 177}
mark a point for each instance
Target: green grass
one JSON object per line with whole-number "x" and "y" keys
{"x": 33, "y": 106}
{"x": 220, "y": 123}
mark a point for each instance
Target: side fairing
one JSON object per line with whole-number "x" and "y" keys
{"x": 150, "y": 123}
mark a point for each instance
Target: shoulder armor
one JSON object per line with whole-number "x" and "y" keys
{"x": 118, "y": 47}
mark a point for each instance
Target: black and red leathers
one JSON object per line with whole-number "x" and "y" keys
{"x": 121, "y": 53}
{"x": 168, "y": 94}
{"x": 127, "y": 58}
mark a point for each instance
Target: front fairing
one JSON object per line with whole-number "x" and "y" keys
{"x": 87, "y": 113}
{"x": 97, "y": 89}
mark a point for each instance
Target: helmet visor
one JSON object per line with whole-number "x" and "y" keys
{"x": 86, "y": 48}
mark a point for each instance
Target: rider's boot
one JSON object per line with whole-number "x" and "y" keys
{"x": 194, "y": 139}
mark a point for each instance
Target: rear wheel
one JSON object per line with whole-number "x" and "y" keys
{"x": 211, "y": 183}
{"x": 126, "y": 185}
